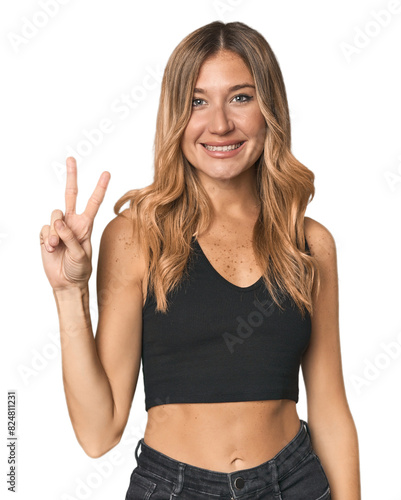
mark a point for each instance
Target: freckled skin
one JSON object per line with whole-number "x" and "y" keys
{"x": 230, "y": 257}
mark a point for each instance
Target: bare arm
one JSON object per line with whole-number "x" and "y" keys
{"x": 99, "y": 374}
{"x": 87, "y": 389}
{"x": 333, "y": 432}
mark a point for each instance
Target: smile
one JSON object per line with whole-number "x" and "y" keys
{"x": 230, "y": 147}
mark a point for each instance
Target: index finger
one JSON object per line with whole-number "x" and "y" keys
{"x": 97, "y": 196}
{"x": 71, "y": 188}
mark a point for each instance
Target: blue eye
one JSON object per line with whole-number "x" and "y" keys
{"x": 246, "y": 98}
{"x": 194, "y": 101}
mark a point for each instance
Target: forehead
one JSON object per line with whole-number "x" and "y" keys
{"x": 223, "y": 69}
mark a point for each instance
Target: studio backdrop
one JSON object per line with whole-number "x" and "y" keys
{"x": 83, "y": 79}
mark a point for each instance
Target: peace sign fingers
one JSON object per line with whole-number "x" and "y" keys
{"x": 66, "y": 250}
{"x": 97, "y": 196}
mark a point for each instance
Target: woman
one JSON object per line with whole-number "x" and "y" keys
{"x": 215, "y": 277}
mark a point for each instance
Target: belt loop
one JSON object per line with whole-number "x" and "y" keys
{"x": 306, "y": 427}
{"x": 277, "y": 492}
{"x": 136, "y": 449}
{"x": 180, "y": 480}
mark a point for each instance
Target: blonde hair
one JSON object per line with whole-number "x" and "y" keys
{"x": 176, "y": 207}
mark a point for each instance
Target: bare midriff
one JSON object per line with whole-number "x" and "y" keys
{"x": 223, "y": 437}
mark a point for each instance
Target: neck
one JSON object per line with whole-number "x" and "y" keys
{"x": 233, "y": 198}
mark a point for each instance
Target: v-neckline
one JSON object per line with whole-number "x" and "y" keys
{"x": 218, "y": 275}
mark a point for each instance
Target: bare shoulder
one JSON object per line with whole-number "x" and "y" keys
{"x": 121, "y": 226}
{"x": 120, "y": 246}
{"x": 320, "y": 240}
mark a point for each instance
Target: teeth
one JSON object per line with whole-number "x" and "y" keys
{"x": 223, "y": 148}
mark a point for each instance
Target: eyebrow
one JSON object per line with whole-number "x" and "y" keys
{"x": 231, "y": 89}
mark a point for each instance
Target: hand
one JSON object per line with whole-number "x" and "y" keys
{"x": 65, "y": 244}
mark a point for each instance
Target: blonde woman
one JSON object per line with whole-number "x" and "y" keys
{"x": 214, "y": 278}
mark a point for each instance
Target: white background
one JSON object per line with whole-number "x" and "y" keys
{"x": 63, "y": 78}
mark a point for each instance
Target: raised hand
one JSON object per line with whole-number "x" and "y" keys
{"x": 65, "y": 243}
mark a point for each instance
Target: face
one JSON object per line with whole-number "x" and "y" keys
{"x": 225, "y": 134}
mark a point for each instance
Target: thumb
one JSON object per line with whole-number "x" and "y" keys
{"x": 68, "y": 238}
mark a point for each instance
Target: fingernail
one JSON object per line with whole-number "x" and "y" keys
{"x": 59, "y": 224}
{"x": 53, "y": 239}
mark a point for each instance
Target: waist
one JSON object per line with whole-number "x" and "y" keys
{"x": 245, "y": 483}
{"x": 222, "y": 436}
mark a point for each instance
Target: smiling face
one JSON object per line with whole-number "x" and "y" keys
{"x": 226, "y": 132}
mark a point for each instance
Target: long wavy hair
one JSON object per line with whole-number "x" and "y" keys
{"x": 176, "y": 207}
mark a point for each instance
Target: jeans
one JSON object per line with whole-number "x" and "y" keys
{"x": 295, "y": 473}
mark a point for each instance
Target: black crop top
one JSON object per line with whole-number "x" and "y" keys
{"x": 220, "y": 342}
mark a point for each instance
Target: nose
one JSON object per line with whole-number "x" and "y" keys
{"x": 220, "y": 122}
